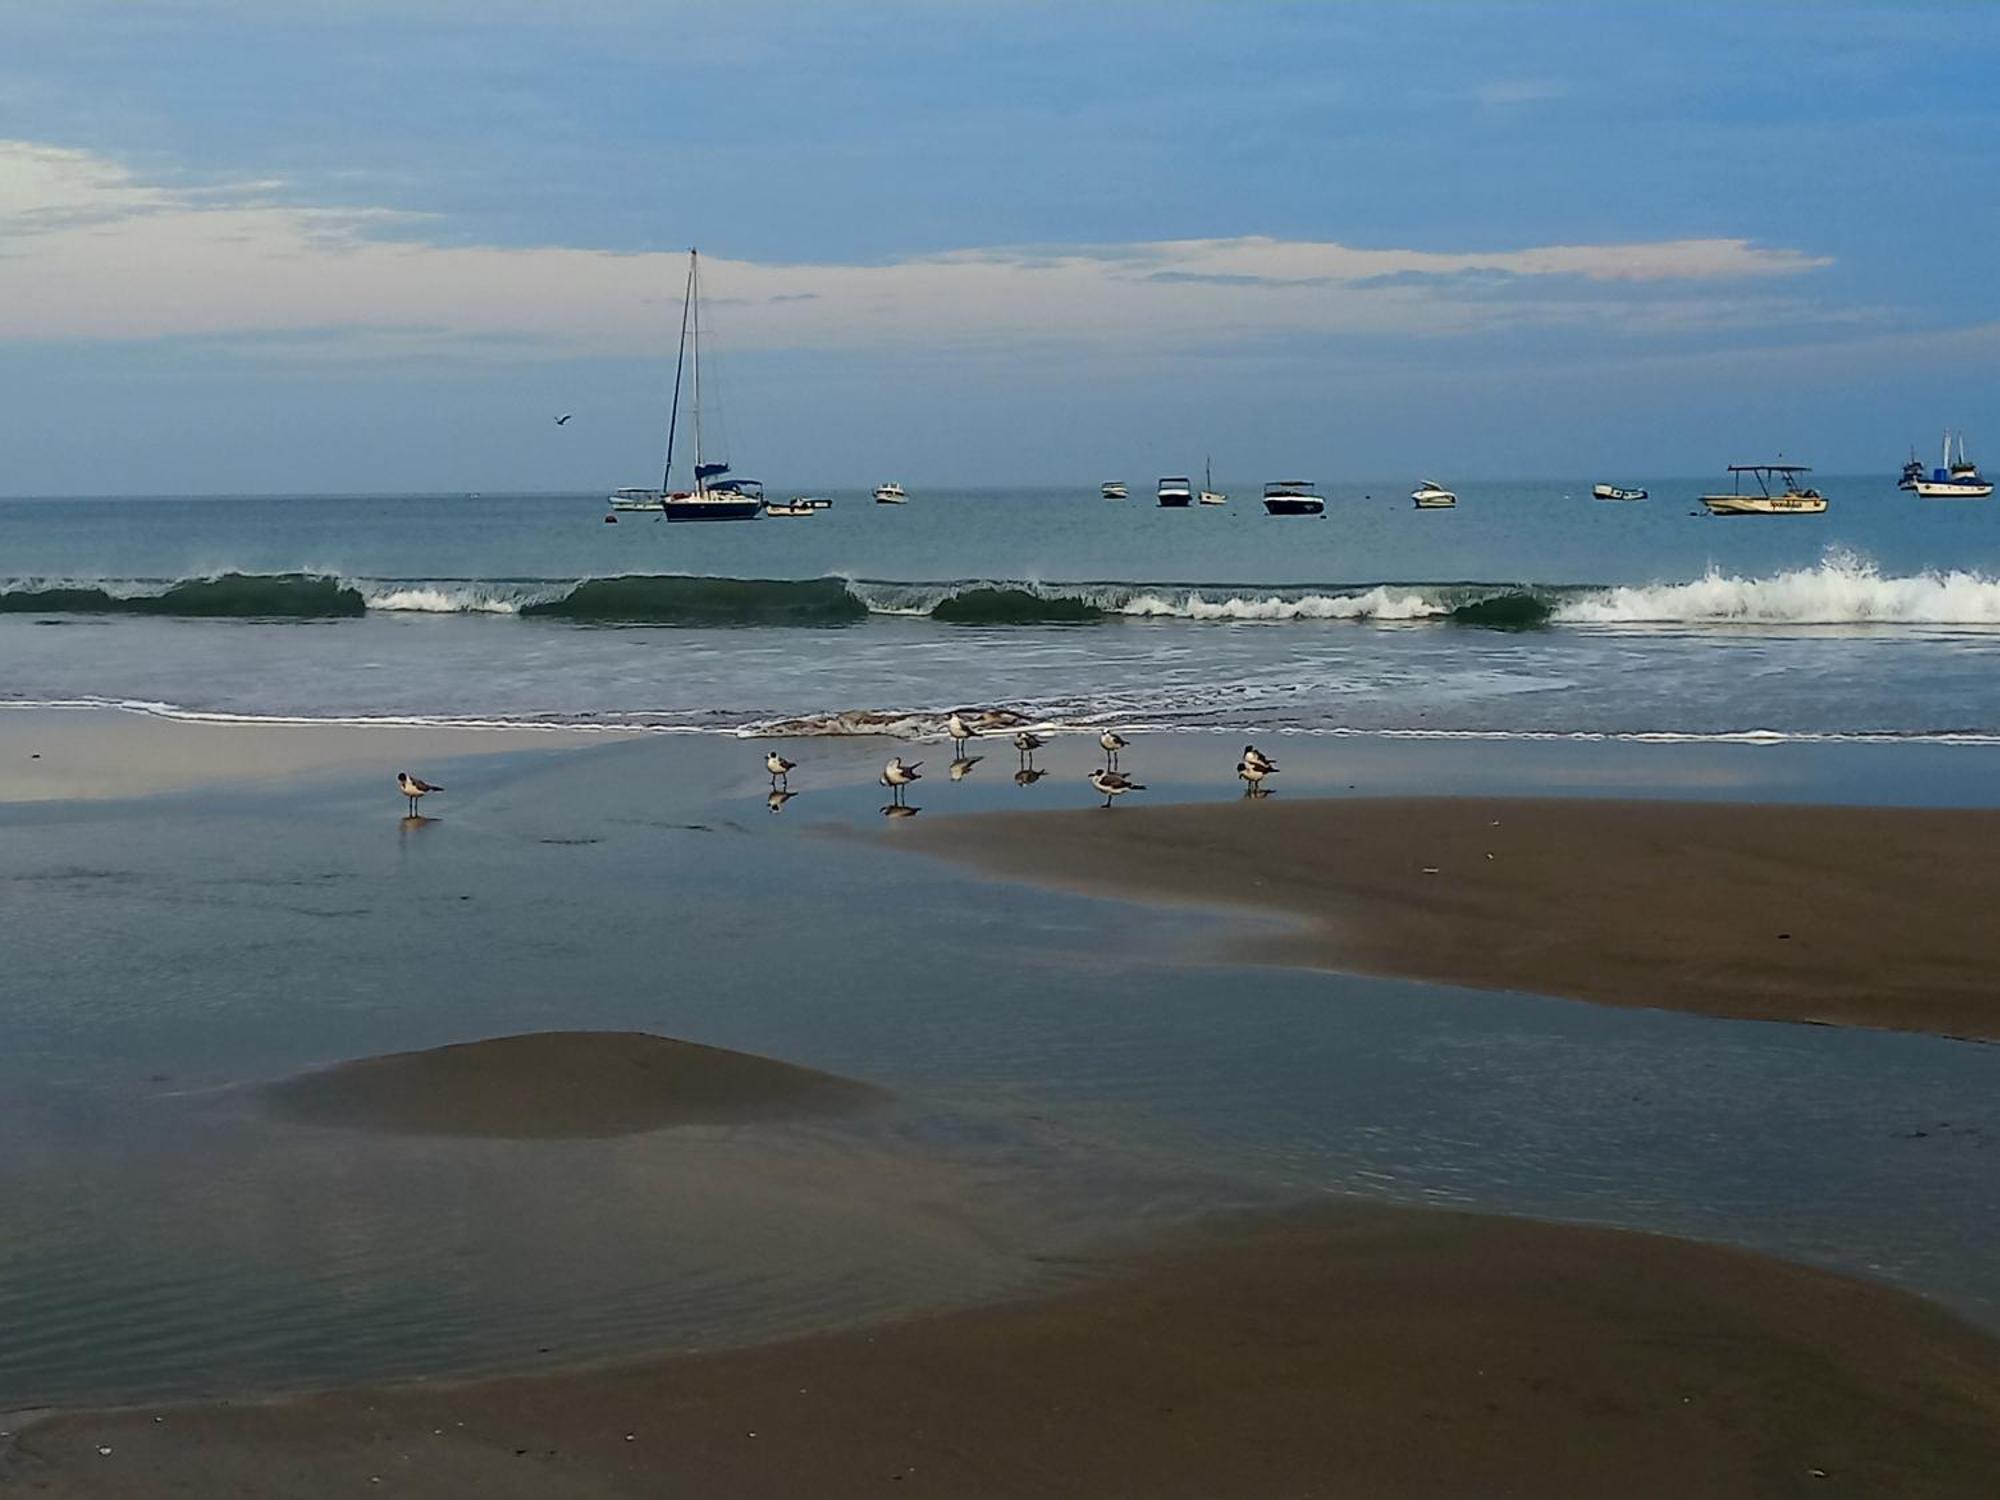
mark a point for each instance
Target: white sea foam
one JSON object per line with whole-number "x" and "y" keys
{"x": 1374, "y": 604}
{"x": 1842, "y": 590}
{"x": 440, "y": 599}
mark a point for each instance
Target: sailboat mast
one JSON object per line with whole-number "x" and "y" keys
{"x": 694, "y": 300}
{"x": 674, "y": 412}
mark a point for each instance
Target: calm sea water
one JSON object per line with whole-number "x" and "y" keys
{"x": 1530, "y": 610}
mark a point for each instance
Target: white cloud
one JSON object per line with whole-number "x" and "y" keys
{"x": 90, "y": 251}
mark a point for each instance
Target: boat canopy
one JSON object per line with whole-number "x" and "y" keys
{"x": 735, "y": 485}
{"x": 709, "y": 471}
{"x": 1287, "y": 486}
{"x": 1770, "y": 468}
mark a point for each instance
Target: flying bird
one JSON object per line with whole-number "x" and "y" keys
{"x": 563, "y": 420}
{"x": 414, "y": 787}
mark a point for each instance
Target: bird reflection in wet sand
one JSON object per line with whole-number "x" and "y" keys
{"x": 897, "y": 777}
{"x": 1028, "y": 776}
{"x": 1112, "y": 784}
{"x": 778, "y": 798}
{"x": 414, "y": 823}
{"x": 962, "y": 767}
{"x": 900, "y": 810}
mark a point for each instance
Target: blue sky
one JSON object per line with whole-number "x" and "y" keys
{"x": 294, "y": 246}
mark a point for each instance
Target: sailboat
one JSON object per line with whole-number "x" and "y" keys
{"x": 1955, "y": 479}
{"x": 716, "y": 496}
{"x": 1209, "y": 494}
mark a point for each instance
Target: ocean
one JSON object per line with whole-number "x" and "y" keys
{"x": 1530, "y": 611}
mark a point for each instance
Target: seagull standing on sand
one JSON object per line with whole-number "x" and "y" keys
{"x": 1253, "y": 773}
{"x": 780, "y": 768}
{"x": 1028, "y": 743}
{"x": 414, "y": 787}
{"x": 1112, "y": 744}
{"x": 896, "y": 776}
{"x": 960, "y": 732}
{"x": 1114, "y": 784}
{"x": 1252, "y": 756}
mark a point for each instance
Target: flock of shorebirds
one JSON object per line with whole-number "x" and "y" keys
{"x": 1108, "y": 780}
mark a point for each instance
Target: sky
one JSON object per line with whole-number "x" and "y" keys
{"x": 285, "y": 246}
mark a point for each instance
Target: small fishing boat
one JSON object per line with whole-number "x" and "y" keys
{"x": 1955, "y": 479}
{"x": 1613, "y": 492}
{"x": 1292, "y": 497}
{"x": 1175, "y": 492}
{"x": 890, "y": 494}
{"x": 817, "y": 502}
{"x": 1790, "y": 500}
{"x": 1210, "y": 495}
{"x": 1912, "y": 472}
{"x": 715, "y": 496}
{"x": 799, "y": 507}
{"x": 1112, "y": 489}
{"x": 1430, "y": 495}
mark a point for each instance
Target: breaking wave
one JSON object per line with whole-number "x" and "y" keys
{"x": 1840, "y": 590}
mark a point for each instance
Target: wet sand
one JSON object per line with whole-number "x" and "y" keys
{"x": 562, "y": 1085}
{"x": 1362, "y": 1351}
{"x": 51, "y": 754}
{"x": 1840, "y": 915}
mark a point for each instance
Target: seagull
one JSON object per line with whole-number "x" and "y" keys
{"x": 1113, "y": 784}
{"x": 962, "y": 767}
{"x": 896, "y": 776}
{"x": 1028, "y": 775}
{"x": 563, "y": 420}
{"x": 960, "y": 732}
{"x": 780, "y": 769}
{"x": 1028, "y": 743}
{"x": 1252, "y": 756}
{"x": 1112, "y": 744}
{"x": 778, "y": 798}
{"x": 414, "y": 787}
{"x": 1253, "y": 776}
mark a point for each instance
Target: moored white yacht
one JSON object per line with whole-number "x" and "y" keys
{"x": 1957, "y": 479}
{"x": 1430, "y": 495}
{"x": 1792, "y": 500}
{"x": 1112, "y": 489}
{"x": 890, "y": 494}
{"x": 715, "y": 497}
{"x": 1175, "y": 491}
{"x": 1293, "y": 497}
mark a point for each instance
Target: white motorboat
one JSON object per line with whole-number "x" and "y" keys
{"x": 1613, "y": 492}
{"x": 715, "y": 496}
{"x": 1955, "y": 479}
{"x": 1430, "y": 495}
{"x": 890, "y": 494}
{"x": 1175, "y": 492}
{"x": 1790, "y": 500}
{"x": 1112, "y": 489}
{"x": 803, "y": 506}
{"x": 1293, "y": 497}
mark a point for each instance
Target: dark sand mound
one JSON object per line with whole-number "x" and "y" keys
{"x": 552, "y": 1085}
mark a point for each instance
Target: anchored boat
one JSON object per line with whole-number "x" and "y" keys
{"x": 890, "y": 494}
{"x": 1955, "y": 479}
{"x": 715, "y": 496}
{"x": 1175, "y": 492}
{"x": 1292, "y": 497}
{"x": 1430, "y": 495}
{"x": 1613, "y": 492}
{"x": 1790, "y": 500}
{"x": 1112, "y": 489}
{"x": 1210, "y": 495}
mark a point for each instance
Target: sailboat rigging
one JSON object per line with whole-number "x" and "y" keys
{"x": 716, "y": 495}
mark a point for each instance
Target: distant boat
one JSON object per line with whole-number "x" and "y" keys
{"x": 890, "y": 494}
{"x": 1612, "y": 492}
{"x": 1112, "y": 489}
{"x": 1430, "y": 495}
{"x": 1789, "y": 501}
{"x": 813, "y": 502}
{"x": 715, "y": 496}
{"x": 1210, "y": 495}
{"x": 1912, "y": 472}
{"x": 1175, "y": 492}
{"x": 1956, "y": 480}
{"x": 1292, "y": 497}
{"x": 800, "y": 507}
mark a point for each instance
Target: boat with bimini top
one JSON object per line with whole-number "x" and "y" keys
{"x": 715, "y": 495}
{"x": 1175, "y": 492}
{"x": 1790, "y": 500}
{"x": 1112, "y": 489}
{"x": 1430, "y": 495}
{"x": 1293, "y": 497}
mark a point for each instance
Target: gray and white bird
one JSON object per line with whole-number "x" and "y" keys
{"x": 960, "y": 732}
{"x": 1111, "y": 784}
{"x": 780, "y": 768}
{"x": 415, "y": 788}
{"x": 1112, "y": 744}
{"x": 896, "y": 776}
{"x": 1252, "y": 756}
{"x": 1028, "y": 742}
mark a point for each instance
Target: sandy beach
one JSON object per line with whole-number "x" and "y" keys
{"x": 1361, "y": 1351}
{"x": 1835, "y": 915}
